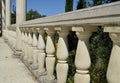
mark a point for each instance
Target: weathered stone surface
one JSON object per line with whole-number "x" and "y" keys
{"x": 12, "y": 70}
{"x": 82, "y": 59}
{"x": 113, "y": 73}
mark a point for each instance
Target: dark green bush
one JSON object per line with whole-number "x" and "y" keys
{"x": 100, "y": 48}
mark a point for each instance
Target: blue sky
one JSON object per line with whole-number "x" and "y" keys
{"x": 47, "y": 7}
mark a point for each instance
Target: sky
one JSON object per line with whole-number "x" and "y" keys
{"x": 47, "y": 7}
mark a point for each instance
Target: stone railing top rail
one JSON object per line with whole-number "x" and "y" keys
{"x": 12, "y": 27}
{"x": 99, "y": 15}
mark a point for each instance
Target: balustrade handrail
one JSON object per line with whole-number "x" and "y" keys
{"x": 12, "y": 27}
{"x": 35, "y": 46}
{"x": 98, "y": 15}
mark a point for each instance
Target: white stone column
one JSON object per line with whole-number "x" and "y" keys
{"x": 62, "y": 55}
{"x": 113, "y": 71}
{"x": 20, "y": 17}
{"x": 8, "y": 16}
{"x": 50, "y": 59}
{"x": 3, "y": 14}
{"x": 82, "y": 58}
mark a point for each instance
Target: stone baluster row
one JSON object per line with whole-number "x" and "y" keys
{"x": 41, "y": 57}
{"x": 34, "y": 50}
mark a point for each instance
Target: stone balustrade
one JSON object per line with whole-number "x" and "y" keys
{"x": 39, "y": 51}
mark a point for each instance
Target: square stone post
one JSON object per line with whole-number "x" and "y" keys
{"x": 20, "y": 17}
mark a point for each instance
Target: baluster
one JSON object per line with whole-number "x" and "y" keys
{"x": 62, "y": 55}
{"x": 23, "y": 35}
{"x": 113, "y": 71}
{"x": 30, "y": 48}
{"x": 82, "y": 59}
{"x": 25, "y": 46}
{"x": 34, "y": 51}
{"x": 41, "y": 54}
{"x": 50, "y": 59}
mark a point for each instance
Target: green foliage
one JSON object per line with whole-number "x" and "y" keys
{"x": 13, "y": 15}
{"x": 69, "y": 5}
{"x": 13, "y": 18}
{"x": 97, "y": 2}
{"x": 32, "y": 14}
{"x": 81, "y": 4}
{"x": 56, "y": 38}
{"x": 72, "y": 40}
{"x": 72, "y": 46}
{"x": 100, "y": 48}
{"x": 72, "y": 68}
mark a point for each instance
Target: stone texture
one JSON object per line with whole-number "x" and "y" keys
{"x": 12, "y": 70}
{"x": 113, "y": 73}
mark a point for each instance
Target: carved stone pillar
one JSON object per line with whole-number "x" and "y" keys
{"x": 25, "y": 46}
{"x": 41, "y": 53}
{"x": 8, "y": 18}
{"x": 113, "y": 72}
{"x": 34, "y": 51}
{"x": 20, "y": 17}
{"x": 23, "y": 38}
{"x": 30, "y": 39}
{"x": 62, "y": 55}
{"x": 82, "y": 59}
{"x": 50, "y": 59}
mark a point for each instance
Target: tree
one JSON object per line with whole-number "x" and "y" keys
{"x": 33, "y": 14}
{"x": 97, "y": 2}
{"x": 81, "y": 4}
{"x": 69, "y": 5}
{"x": 13, "y": 15}
{"x": 100, "y": 48}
